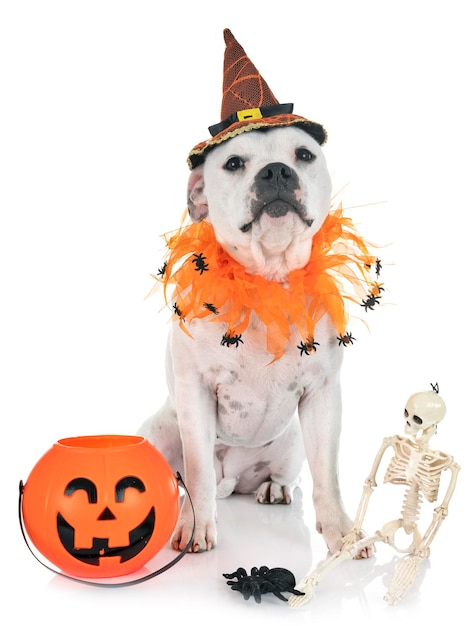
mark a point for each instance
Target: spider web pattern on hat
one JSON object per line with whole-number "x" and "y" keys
{"x": 243, "y": 85}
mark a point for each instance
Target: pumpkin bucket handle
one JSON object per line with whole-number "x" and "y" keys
{"x": 127, "y": 583}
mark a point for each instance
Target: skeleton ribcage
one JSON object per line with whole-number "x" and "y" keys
{"x": 412, "y": 466}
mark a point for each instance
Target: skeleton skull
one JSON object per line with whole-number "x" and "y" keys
{"x": 423, "y": 410}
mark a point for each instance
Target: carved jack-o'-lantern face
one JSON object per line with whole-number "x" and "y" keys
{"x": 100, "y": 506}
{"x": 137, "y": 538}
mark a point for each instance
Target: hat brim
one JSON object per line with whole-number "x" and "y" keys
{"x": 200, "y": 151}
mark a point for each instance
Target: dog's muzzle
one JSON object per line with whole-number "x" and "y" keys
{"x": 275, "y": 188}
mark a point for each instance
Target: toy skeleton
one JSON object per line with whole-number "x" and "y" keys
{"x": 417, "y": 467}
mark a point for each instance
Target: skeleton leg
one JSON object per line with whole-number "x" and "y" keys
{"x": 348, "y": 552}
{"x": 407, "y": 570}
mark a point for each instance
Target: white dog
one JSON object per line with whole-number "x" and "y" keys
{"x": 231, "y": 422}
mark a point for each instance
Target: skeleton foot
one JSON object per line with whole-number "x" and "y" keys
{"x": 308, "y": 590}
{"x": 273, "y": 493}
{"x": 315, "y": 577}
{"x": 405, "y": 574}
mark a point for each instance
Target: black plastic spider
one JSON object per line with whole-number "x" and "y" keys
{"x": 345, "y": 340}
{"x": 176, "y": 309}
{"x": 370, "y": 301}
{"x": 378, "y": 267}
{"x": 262, "y": 581}
{"x": 308, "y": 347}
{"x": 211, "y": 307}
{"x": 231, "y": 340}
{"x": 161, "y": 270}
{"x": 200, "y": 263}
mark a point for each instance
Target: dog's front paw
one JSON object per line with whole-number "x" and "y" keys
{"x": 334, "y": 526}
{"x": 205, "y": 537}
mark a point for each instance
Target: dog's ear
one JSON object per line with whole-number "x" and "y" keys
{"x": 197, "y": 202}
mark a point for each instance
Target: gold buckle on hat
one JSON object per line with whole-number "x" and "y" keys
{"x": 249, "y": 114}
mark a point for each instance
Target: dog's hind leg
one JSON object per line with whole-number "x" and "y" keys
{"x": 287, "y": 457}
{"x": 271, "y": 471}
{"x": 271, "y": 492}
{"x": 162, "y": 431}
{"x": 225, "y": 487}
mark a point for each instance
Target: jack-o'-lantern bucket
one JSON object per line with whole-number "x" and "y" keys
{"x": 100, "y": 506}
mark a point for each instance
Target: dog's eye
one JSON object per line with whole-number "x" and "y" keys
{"x": 303, "y": 154}
{"x": 233, "y": 164}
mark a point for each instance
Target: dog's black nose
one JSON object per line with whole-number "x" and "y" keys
{"x": 274, "y": 188}
{"x": 277, "y": 174}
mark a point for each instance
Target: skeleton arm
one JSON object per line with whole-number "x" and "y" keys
{"x": 440, "y": 513}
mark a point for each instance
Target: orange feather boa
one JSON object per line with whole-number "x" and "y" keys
{"x": 209, "y": 283}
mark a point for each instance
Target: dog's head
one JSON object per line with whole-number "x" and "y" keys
{"x": 266, "y": 193}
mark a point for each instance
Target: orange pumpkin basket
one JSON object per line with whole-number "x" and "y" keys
{"x": 100, "y": 506}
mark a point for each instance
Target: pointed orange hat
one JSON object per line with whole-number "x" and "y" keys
{"x": 247, "y": 104}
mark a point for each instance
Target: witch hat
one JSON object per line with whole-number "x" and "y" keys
{"x": 247, "y": 104}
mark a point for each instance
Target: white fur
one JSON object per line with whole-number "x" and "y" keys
{"x": 231, "y": 422}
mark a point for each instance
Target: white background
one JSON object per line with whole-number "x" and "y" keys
{"x": 100, "y": 104}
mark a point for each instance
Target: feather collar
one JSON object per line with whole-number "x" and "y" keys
{"x": 208, "y": 283}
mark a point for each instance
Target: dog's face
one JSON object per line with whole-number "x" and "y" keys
{"x": 266, "y": 193}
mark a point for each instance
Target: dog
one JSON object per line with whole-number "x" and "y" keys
{"x": 232, "y": 423}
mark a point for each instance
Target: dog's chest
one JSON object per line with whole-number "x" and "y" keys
{"x": 254, "y": 404}
{"x": 256, "y": 398}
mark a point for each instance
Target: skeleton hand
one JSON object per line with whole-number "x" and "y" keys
{"x": 349, "y": 540}
{"x": 349, "y": 544}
